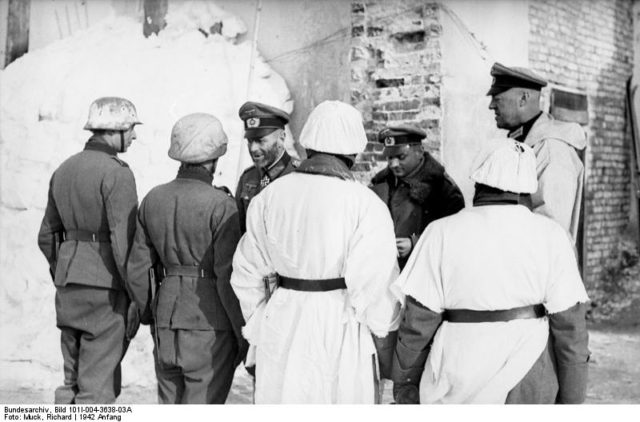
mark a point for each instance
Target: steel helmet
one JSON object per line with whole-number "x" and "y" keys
{"x": 196, "y": 138}
{"x": 112, "y": 113}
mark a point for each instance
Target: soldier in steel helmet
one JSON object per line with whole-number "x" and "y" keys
{"x": 86, "y": 234}
{"x": 188, "y": 230}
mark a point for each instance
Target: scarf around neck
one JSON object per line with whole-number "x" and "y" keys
{"x": 325, "y": 165}
{"x": 487, "y": 195}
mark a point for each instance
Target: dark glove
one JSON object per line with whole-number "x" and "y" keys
{"x": 251, "y": 370}
{"x": 133, "y": 321}
{"x": 406, "y": 394}
{"x": 146, "y": 318}
{"x": 243, "y": 348}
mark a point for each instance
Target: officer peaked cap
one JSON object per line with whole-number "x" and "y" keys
{"x": 399, "y": 135}
{"x": 505, "y": 78}
{"x": 261, "y": 119}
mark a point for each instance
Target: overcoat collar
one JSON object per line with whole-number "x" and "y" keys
{"x": 326, "y": 165}
{"x": 195, "y": 173}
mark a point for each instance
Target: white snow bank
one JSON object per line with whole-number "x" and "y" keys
{"x": 44, "y": 101}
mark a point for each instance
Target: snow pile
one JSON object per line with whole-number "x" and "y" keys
{"x": 196, "y": 64}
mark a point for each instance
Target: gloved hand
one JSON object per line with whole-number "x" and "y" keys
{"x": 243, "y": 347}
{"x": 133, "y": 321}
{"x": 404, "y": 246}
{"x": 406, "y": 394}
{"x": 251, "y": 370}
{"x": 146, "y": 318}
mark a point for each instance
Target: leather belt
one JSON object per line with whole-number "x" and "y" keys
{"x": 318, "y": 285}
{"x": 468, "y": 315}
{"x": 86, "y": 236}
{"x": 186, "y": 271}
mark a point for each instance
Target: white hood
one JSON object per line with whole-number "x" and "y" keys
{"x": 547, "y": 127}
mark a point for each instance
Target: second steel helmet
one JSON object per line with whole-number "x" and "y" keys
{"x": 196, "y": 138}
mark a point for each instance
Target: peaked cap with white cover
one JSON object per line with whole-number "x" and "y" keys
{"x": 334, "y": 127}
{"x": 196, "y": 138}
{"x": 507, "y": 165}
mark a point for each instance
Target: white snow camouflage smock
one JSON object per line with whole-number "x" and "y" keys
{"x": 489, "y": 257}
{"x": 316, "y": 347}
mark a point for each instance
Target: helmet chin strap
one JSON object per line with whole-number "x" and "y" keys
{"x": 122, "y": 141}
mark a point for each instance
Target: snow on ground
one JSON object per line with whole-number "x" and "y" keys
{"x": 45, "y": 97}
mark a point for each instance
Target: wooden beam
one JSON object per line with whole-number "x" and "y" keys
{"x": 17, "y": 30}
{"x": 155, "y": 12}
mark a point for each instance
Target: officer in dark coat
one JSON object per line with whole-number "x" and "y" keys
{"x": 85, "y": 235}
{"x": 188, "y": 230}
{"x": 414, "y": 186}
{"x": 264, "y": 130}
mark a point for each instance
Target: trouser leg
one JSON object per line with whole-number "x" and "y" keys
{"x": 206, "y": 358}
{"x": 168, "y": 373}
{"x": 92, "y": 320}
{"x": 70, "y": 345}
{"x": 102, "y": 348}
{"x": 539, "y": 385}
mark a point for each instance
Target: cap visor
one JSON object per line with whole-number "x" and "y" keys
{"x": 395, "y": 150}
{"x": 494, "y": 90}
{"x": 258, "y": 132}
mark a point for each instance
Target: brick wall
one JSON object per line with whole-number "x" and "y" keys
{"x": 587, "y": 45}
{"x": 395, "y": 71}
{"x": 396, "y": 62}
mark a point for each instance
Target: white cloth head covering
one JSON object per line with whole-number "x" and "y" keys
{"x": 334, "y": 127}
{"x": 507, "y": 165}
{"x": 196, "y": 138}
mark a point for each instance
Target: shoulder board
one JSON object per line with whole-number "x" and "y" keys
{"x": 224, "y": 189}
{"x": 119, "y": 161}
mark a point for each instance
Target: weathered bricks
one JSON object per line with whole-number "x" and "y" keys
{"x": 396, "y": 64}
{"x": 587, "y": 46}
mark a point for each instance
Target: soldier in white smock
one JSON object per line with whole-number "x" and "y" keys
{"x": 329, "y": 242}
{"x": 495, "y": 306}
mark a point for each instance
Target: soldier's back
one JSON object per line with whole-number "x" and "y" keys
{"x": 79, "y": 188}
{"x": 181, "y": 218}
{"x": 94, "y": 193}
